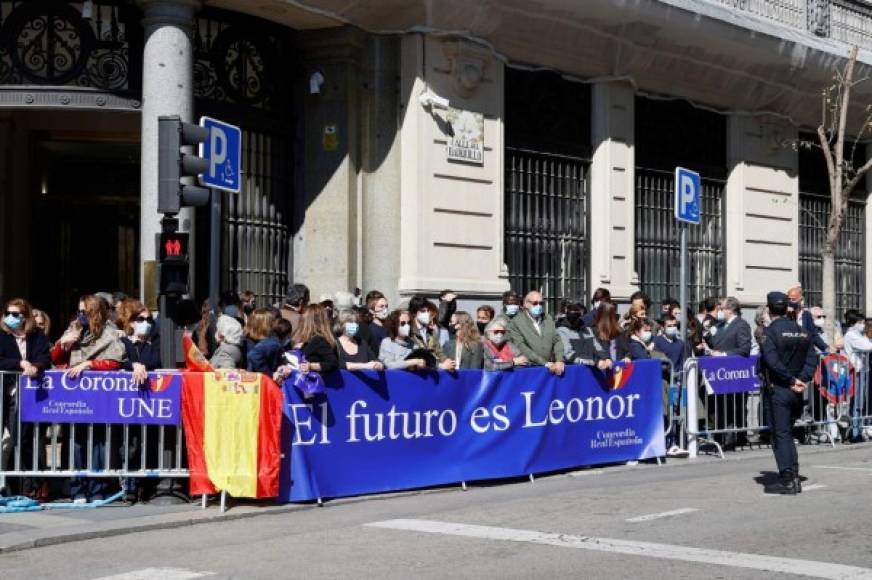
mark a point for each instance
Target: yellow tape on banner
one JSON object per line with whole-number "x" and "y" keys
{"x": 232, "y": 412}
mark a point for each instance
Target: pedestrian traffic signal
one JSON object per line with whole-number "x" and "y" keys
{"x": 175, "y": 165}
{"x": 174, "y": 269}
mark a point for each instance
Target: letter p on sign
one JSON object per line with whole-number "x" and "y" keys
{"x": 687, "y": 195}
{"x": 223, "y": 150}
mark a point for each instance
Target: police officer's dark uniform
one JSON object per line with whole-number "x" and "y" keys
{"x": 788, "y": 355}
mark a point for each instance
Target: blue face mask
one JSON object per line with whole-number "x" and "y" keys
{"x": 83, "y": 320}
{"x": 537, "y": 310}
{"x": 351, "y": 329}
{"x": 13, "y": 322}
{"x": 512, "y": 309}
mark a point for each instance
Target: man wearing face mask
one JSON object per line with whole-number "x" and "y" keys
{"x": 568, "y": 328}
{"x": 805, "y": 319}
{"x": 669, "y": 343}
{"x": 533, "y": 332}
{"x": 511, "y": 304}
{"x": 733, "y": 335}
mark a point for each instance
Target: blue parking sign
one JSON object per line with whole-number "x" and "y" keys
{"x": 223, "y": 150}
{"x": 688, "y": 193}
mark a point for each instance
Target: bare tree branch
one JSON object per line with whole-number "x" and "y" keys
{"x": 849, "y": 187}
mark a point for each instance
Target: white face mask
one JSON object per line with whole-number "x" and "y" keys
{"x": 860, "y": 327}
{"x": 423, "y": 318}
{"x": 645, "y": 335}
{"x": 722, "y": 315}
{"x": 497, "y": 339}
{"x": 820, "y": 321}
{"x": 713, "y": 330}
{"x": 403, "y": 330}
{"x": 141, "y": 328}
{"x": 671, "y": 331}
{"x": 596, "y": 305}
{"x": 381, "y": 314}
{"x": 512, "y": 309}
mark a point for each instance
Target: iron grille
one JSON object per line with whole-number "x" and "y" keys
{"x": 546, "y": 224}
{"x": 96, "y": 45}
{"x": 658, "y": 250}
{"x": 814, "y": 214}
{"x": 257, "y": 239}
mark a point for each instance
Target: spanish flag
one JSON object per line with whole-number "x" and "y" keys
{"x": 195, "y": 360}
{"x": 232, "y": 423}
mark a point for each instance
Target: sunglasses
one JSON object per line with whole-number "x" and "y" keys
{"x": 536, "y": 303}
{"x": 15, "y": 314}
{"x": 144, "y": 319}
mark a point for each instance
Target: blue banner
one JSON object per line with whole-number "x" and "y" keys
{"x": 723, "y": 375}
{"x": 101, "y": 397}
{"x": 377, "y": 432}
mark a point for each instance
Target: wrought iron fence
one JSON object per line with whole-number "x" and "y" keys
{"x": 546, "y": 224}
{"x": 257, "y": 238}
{"x": 814, "y": 214}
{"x": 657, "y": 240}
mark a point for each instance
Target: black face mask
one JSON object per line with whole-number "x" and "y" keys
{"x": 481, "y": 326}
{"x": 574, "y": 319}
{"x": 248, "y": 308}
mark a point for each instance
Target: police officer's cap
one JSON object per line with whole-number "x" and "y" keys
{"x": 776, "y": 299}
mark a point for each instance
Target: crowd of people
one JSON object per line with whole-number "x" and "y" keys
{"x": 110, "y": 331}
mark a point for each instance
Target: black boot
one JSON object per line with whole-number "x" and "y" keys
{"x": 786, "y": 484}
{"x": 797, "y": 480}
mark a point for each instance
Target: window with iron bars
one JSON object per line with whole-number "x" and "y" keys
{"x": 658, "y": 251}
{"x": 814, "y": 214}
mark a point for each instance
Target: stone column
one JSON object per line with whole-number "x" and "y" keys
{"x": 612, "y": 191}
{"x": 762, "y": 207}
{"x": 167, "y": 89}
{"x": 868, "y": 239}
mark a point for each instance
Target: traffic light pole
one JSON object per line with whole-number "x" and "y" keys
{"x": 168, "y": 344}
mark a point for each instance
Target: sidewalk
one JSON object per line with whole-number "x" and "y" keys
{"x": 22, "y": 531}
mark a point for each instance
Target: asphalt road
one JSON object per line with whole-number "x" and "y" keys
{"x": 704, "y": 520}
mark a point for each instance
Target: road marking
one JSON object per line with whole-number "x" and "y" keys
{"x": 827, "y": 570}
{"x": 813, "y": 486}
{"x": 649, "y": 517}
{"x": 840, "y": 467}
{"x": 158, "y": 574}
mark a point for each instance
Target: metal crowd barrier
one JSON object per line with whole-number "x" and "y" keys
{"x": 93, "y": 450}
{"x": 729, "y": 420}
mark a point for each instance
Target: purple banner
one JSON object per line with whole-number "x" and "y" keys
{"x": 723, "y": 375}
{"x": 101, "y": 397}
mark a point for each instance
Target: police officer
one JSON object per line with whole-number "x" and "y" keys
{"x": 788, "y": 361}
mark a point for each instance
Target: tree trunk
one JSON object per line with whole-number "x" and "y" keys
{"x": 828, "y": 293}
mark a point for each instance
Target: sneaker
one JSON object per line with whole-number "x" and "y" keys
{"x": 80, "y": 499}
{"x": 676, "y": 451}
{"x": 781, "y": 487}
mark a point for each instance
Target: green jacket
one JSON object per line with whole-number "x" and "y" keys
{"x": 539, "y": 347}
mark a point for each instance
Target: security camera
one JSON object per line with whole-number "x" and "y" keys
{"x": 433, "y": 101}
{"x": 315, "y": 83}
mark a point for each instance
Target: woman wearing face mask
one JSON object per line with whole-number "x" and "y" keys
{"x": 89, "y": 343}
{"x": 498, "y": 352}
{"x": 568, "y": 329}
{"x": 425, "y": 333}
{"x": 23, "y": 349}
{"x": 465, "y": 342}
{"x": 228, "y": 337}
{"x": 600, "y": 295}
{"x": 266, "y": 356}
{"x": 639, "y": 340}
{"x": 599, "y": 344}
{"x": 397, "y": 346}
{"x": 141, "y": 344}
{"x": 354, "y": 354}
{"x": 483, "y": 316}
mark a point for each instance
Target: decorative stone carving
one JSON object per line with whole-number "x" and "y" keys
{"x": 468, "y": 62}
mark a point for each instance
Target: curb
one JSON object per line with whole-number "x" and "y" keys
{"x": 107, "y": 530}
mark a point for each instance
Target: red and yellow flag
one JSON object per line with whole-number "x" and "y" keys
{"x": 232, "y": 424}
{"x": 195, "y": 360}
